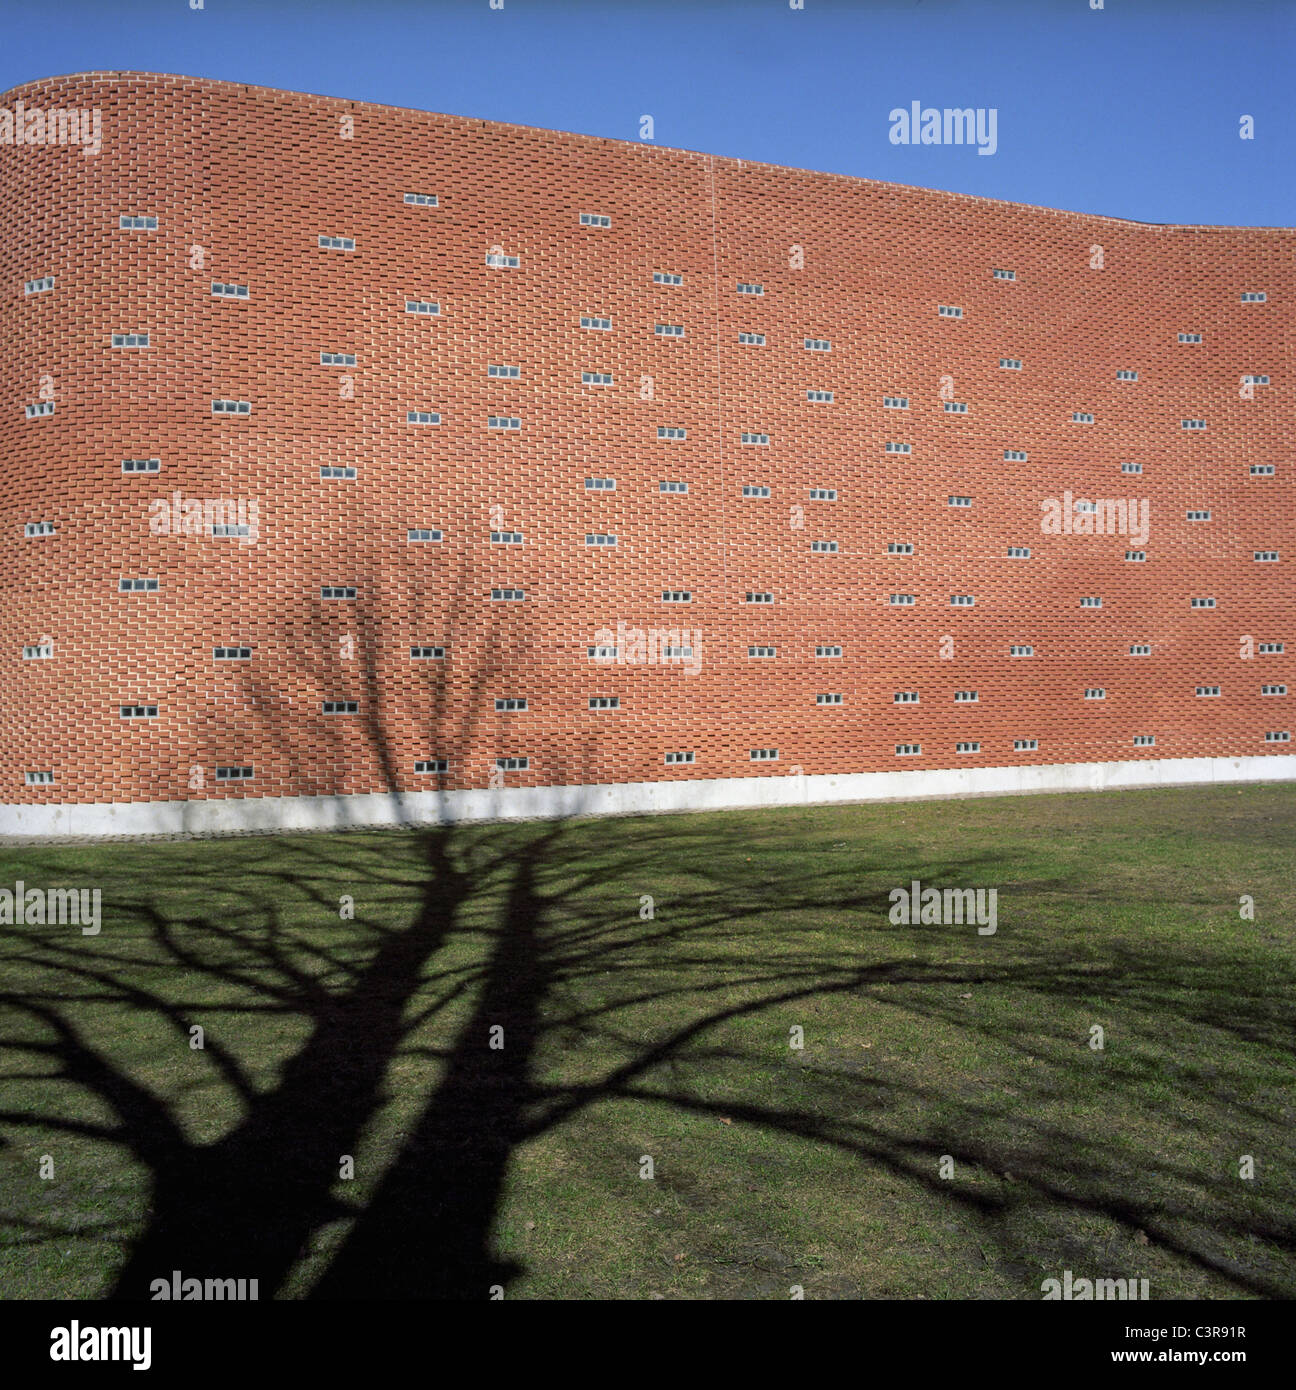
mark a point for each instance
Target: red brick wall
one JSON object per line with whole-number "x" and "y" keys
{"x": 252, "y": 177}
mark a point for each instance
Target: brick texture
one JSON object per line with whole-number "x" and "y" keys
{"x": 243, "y": 181}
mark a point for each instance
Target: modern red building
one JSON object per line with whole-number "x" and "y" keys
{"x": 366, "y": 463}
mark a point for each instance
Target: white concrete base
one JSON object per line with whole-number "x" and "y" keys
{"x": 251, "y": 814}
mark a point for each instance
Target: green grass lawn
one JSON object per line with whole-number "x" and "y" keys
{"x": 664, "y": 1032}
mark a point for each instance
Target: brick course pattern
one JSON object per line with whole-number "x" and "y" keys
{"x": 245, "y": 181}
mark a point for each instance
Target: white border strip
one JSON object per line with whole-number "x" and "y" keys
{"x": 244, "y": 814}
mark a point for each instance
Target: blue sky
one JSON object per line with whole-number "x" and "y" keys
{"x": 1132, "y": 110}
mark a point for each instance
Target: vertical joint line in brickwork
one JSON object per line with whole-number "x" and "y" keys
{"x": 715, "y": 290}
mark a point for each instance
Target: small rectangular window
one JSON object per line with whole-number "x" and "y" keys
{"x": 755, "y": 490}
{"x": 512, "y": 423}
{"x": 905, "y": 697}
{"x": 823, "y": 547}
{"x": 747, "y": 288}
{"x": 1082, "y": 417}
{"x": 967, "y": 747}
{"x": 427, "y": 653}
{"x": 1273, "y": 690}
{"x": 1190, "y": 337}
{"x": 1021, "y": 650}
{"x": 422, "y": 200}
{"x": 599, "y": 538}
{"x": 1144, "y": 740}
{"x": 671, "y": 432}
{"x": 763, "y": 755}
{"x": 829, "y": 651}
{"x": 818, "y": 345}
{"x": 141, "y": 465}
{"x": 513, "y": 764}
{"x": 38, "y": 528}
{"x": 1192, "y": 424}
{"x": 594, "y": 219}
{"x": 337, "y": 470}
{"x": 1262, "y": 470}
{"x": 762, "y": 652}
{"x": 1265, "y": 557}
{"x": 677, "y": 596}
{"x": 896, "y": 402}
{"x": 223, "y": 290}
{"x": 41, "y": 651}
{"x": 1091, "y": 603}
{"x": 949, "y": 311}
{"x": 602, "y": 653}
{"x": 900, "y": 548}
{"x": 136, "y": 222}
{"x": 967, "y": 697}
{"x": 508, "y": 595}
{"x": 823, "y": 397}
{"x": 505, "y": 371}
{"x": 1015, "y": 455}
{"x": 1201, "y": 603}
{"x": 755, "y": 596}
{"x": 1095, "y": 693}
{"x": 1025, "y": 745}
{"x": 831, "y": 699}
{"x": 1005, "y": 274}
{"x": 1126, "y": 376}
{"x": 1252, "y": 379}
{"x": 231, "y": 407}
{"x": 1019, "y": 552}
{"x": 338, "y": 591}
{"x": 1136, "y": 557}
{"x": 596, "y": 378}
{"x": 231, "y": 653}
{"x": 427, "y": 308}
{"x": 337, "y": 359}
{"x": 672, "y": 487}
{"x": 39, "y": 411}
{"x": 1012, "y": 364}
{"x": 40, "y": 286}
{"x": 908, "y": 750}
{"x": 130, "y": 340}
{"x": 138, "y": 586}
{"x": 431, "y": 767}
{"x": 498, "y": 260}
{"x": 752, "y": 339}
{"x": 422, "y": 417}
{"x": 1271, "y": 648}
{"x": 961, "y": 601}
{"x": 340, "y": 707}
{"x": 960, "y": 501}
{"x": 600, "y": 484}
{"x": 1277, "y": 736}
{"x": 666, "y": 277}
{"x": 605, "y": 702}
{"x": 674, "y": 758}
{"x": 1208, "y": 692}
{"x": 896, "y": 448}
{"x": 955, "y": 407}
{"x": 596, "y": 322}
{"x": 823, "y": 494}
{"x": 511, "y": 704}
{"x": 902, "y": 601}
{"x": 138, "y": 711}
{"x": 1254, "y": 296}
{"x": 747, "y": 437}
{"x": 424, "y": 533}
{"x": 1131, "y": 468}
{"x": 233, "y": 774}
{"x": 506, "y": 537}
{"x": 669, "y": 330}
{"x": 1199, "y": 516}
{"x": 1141, "y": 649}
{"x": 38, "y": 779}
{"x": 337, "y": 243}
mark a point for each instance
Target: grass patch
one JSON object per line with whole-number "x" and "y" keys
{"x": 631, "y": 1033}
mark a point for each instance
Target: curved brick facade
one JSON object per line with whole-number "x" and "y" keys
{"x": 245, "y": 181}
